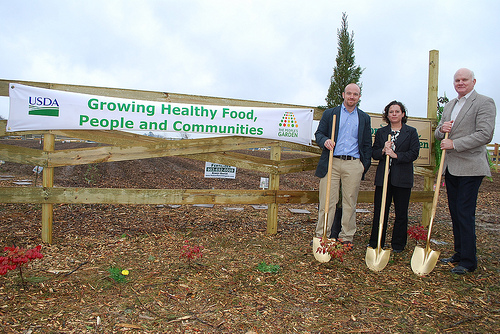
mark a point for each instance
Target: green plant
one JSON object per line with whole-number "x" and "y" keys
{"x": 90, "y": 174}
{"x": 437, "y": 143}
{"x": 345, "y": 70}
{"x": 268, "y": 268}
{"x": 492, "y": 165}
{"x": 118, "y": 275}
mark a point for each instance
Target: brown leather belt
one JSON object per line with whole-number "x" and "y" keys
{"x": 344, "y": 157}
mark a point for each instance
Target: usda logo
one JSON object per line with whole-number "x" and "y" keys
{"x": 43, "y": 106}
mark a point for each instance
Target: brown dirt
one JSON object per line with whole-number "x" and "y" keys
{"x": 70, "y": 290}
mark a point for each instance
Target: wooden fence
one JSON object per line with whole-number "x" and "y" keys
{"x": 494, "y": 158}
{"x": 122, "y": 146}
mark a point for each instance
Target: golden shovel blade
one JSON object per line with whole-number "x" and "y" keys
{"x": 377, "y": 258}
{"x": 424, "y": 260}
{"x": 319, "y": 256}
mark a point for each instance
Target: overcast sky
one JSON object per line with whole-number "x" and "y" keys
{"x": 264, "y": 50}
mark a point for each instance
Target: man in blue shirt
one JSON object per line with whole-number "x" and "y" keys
{"x": 352, "y": 147}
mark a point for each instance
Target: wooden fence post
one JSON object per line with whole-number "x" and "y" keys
{"x": 432, "y": 98}
{"x": 274, "y": 184}
{"x": 47, "y": 182}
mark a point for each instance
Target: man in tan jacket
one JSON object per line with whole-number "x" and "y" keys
{"x": 469, "y": 120}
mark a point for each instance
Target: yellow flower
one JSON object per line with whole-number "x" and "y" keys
{"x": 124, "y": 272}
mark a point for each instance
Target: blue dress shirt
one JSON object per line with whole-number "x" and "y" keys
{"x": 347, "y": 139}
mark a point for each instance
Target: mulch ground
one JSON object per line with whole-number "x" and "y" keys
{"x": 246, "y": 281}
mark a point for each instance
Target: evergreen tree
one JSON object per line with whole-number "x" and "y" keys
{"x": 345, "y": 72}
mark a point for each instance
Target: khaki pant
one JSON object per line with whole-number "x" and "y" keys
{"x": 348, "y": 173}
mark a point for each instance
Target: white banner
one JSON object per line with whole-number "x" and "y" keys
{"x": 33, "y": 108}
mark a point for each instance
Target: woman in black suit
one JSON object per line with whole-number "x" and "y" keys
{"x": 403, "y": 149}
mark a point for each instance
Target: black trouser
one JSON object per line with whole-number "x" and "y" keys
{"x": 337, "y": 223}
{"x": 462, "y": 199}
{"x": 401, "y": 198}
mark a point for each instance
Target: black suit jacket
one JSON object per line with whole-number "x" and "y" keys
{"x": 324, "y": 132}
{"x": 407, "y": 149}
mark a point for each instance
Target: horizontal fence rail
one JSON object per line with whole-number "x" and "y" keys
{"x": 54, "y": 195}
{"x": 114, "y": 145}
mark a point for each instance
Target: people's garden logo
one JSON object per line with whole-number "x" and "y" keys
{"x": 43, "y": 106}
{"x": 288, "y": 126}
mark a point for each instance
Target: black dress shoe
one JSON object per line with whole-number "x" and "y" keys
{"x": 449, "y": 260}
{"x": 459, "y": 270}
{"x": 397, "y": 250}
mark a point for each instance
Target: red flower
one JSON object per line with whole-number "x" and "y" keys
{"x": 191, "y": 252}
{"x": 335, "y": 248}
{"x": 417, "y": 232}
{"x": 16, "y": 257}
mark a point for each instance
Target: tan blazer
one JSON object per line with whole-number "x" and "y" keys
{"x": 471, "y": 131}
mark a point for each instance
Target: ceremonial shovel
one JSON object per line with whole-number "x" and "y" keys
{"x": 423, "y": 260}
{"x": 323, "y": 255}
{"x": 376, "y": 259}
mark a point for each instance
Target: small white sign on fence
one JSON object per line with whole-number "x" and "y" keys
{"x": 38, "y": 169}
{"x": 219, "y": 171}
{"x": 264, "y": 183}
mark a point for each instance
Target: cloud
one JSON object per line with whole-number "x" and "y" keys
{"x": 279, "y": 51}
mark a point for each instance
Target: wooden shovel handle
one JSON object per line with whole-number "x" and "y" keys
{"x": 384, "y": 195}
{"x": 436, "y": 194}
{"x": 329, "y": 177}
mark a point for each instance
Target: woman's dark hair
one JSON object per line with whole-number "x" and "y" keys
{"x": 386, "y": 111}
